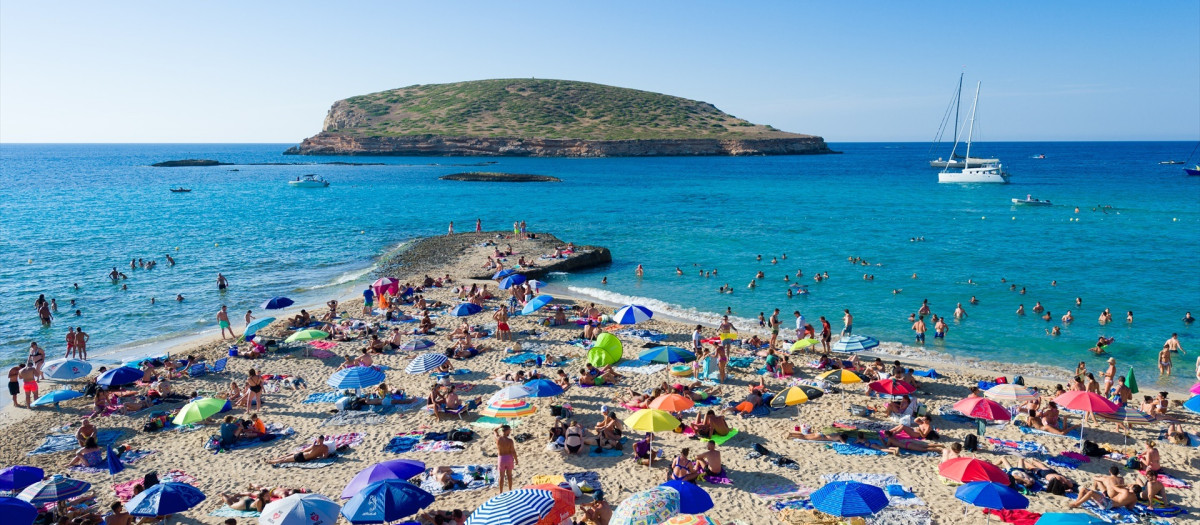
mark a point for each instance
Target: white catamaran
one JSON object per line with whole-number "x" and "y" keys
{"x": 955, "y": 161}
{"x": 990, "y": 172}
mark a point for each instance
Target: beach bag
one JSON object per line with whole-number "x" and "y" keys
{"x": 859, "y": 410}
{"x": 557, "y": 410}
{"x": 1134, "y": 464}
{"x": 971, "y": 443}
{"x": 462, "y": 435}
{"x": 1019, "y": 381}
{"x": 1001, "y": 380}
{"x": 1091, "y": 449}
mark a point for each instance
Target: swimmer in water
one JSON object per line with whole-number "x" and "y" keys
{"x": 179, "y": 298}
{"x": 639, "y": 271}
{"x": 604, "y": 280}
{"x": 678, "y": 271}
{"x": 1129, "y": 316}
{"x": 1021, "y": 309}
{"x": 914, "y": 276}
{"x": 974, "y": 300}
{"x": 1037, "y": 307}
{"x": 1187, "y": 318}
{"x": 1054, "y": 331}
{"x": 1078, "y": 302}
{"x": 1067, "y": 317}
{"x": 1053, "y": 283}
{"x": 1046, "y": 317}
{"x": 959, "y": 313}
{"x": 897, "y": 290}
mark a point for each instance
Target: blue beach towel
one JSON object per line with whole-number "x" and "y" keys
{"x": 741, "y": 361}
{"x": 605, "y": 453}
{"x": 67, "y": 442}
{"x": 931, "y": 373}
{"x": 1074, "y": 434}
{"x": 322, "y": 397}
{"x": 229, "y": 512}
{"x": 400, "y": 444}
{"x": 853, "y": 450}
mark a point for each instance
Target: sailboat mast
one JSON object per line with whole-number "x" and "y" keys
{"x": 971, "y": 132}
{"x": 957, "y": 105}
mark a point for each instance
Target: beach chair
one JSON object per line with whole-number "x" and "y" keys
{"x": 219, "y": 366}
{"x": 197, "y": 370}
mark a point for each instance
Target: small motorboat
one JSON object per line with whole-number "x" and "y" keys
{"x": 1171, "y": 162}
{"x": 1193, "y": 172}
{"x": 310, "y": 180}
{"x": 180, "y": 190}
{"x": 1030, "y": 201}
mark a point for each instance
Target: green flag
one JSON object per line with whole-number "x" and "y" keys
{"x": 1131, "y": 382}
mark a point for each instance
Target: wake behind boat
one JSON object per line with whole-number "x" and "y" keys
{"x": 988, "y": 173}
{"x": 1030, "y": 201}
{"x": 310, "y": 180}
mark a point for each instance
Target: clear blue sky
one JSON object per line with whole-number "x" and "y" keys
{"x": 849, "y": 71}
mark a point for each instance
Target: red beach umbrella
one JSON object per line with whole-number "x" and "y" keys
{"x": 564, "y": 503}
{"x": 966, "y": 470}
{"x": 386, "y": 284}
{"x": 893, "y": 387}
{"x": 1086, "y": 402}
{"x": 983, "y": 408}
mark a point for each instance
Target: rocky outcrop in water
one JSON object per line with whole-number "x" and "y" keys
{"x": 332, "y": 143}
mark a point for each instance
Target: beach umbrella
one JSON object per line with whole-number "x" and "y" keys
{"x": 510, "y": 392}
{"x": 632, "y": 314}
{"x": 966, "y": 470}
{"x": 17, "y": 477}
{"x": 386, "y": 283}
{"x": 1069, "y": 518}
{"x": 425, "y": 363}
{"x": 56, "y": 397}
{"x": 199, "y": 410}
{"x": 1193, "y": 404}
{"x": 508, "y": 408}
{"x": 989, "y": 495}
{"x": 66, "y": 369}
{"x": 386, "y": 500}
{"x": 300, "y": 509}
{"x": 511, "y": 280}
{"x": 804, "y": 343}
{"x": 1085, "y": 402}
{"x": 848, "y": 499}
{"x": 854, "y": 343}
{"x": 543, "y": 388}
{"x": 1195, "y": 389}
{"x": 257, "y": 325}
{"x": 648, "y": 507}
{"x": 692, "y": 519}
{"x": 417, "y": 344}
{"x": 17, "y": 511}
{"x": 667, "y": 354}
{"x": 465, "y": 309}
{"x": 692, "y": 498}
{"x": 892, "y": 387}
{"x": 1010, "y": 392}
{"x": 1131, "y": 381}
{"x": 307, "y": 335}
{"x": 841, "y": 376}
{"x": 605, "y": 351}
{"x": 811, "y": 391}
{"x": 121, "y": 375}
{"x": 672, "y": 403}
{"x": 401, "y": 469}
{"x": 57, "y": 488}
{"x": 792, "y": 396}
{"x": 564, "y": 504}
{"x": 276, "y": 303}
{"x": 982, "y": 408}
{"x": 515, "y": 507}
{"x": 536, "y": 304}
{"x": 114, "y": 461}
{"x": 503, "y": 273}
{"x": 356, "y": 377}
{"x": 1127, "y": 415}
{"x": 652, "y": 420}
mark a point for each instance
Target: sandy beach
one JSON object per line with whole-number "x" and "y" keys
{"x": 759, "y": 485}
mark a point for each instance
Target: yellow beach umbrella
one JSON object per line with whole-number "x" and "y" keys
{"x": 840, "y": 375}
{"x": 652, "y": 420}
{"x": 804, "y": 343}
{"x": 792, "y": 396}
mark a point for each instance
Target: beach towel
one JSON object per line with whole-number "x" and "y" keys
{"x": 741, "y": 362}
{"x": 1018, "y": 446}
{"x": 1060, "y": 461}
{"x": 720, "y": 440}
{"x": 605, "y": 453}
{"x": 400, "y": 444}
{"x": 439, "y": 446}
{"x": 720, "y": 478}
{"x": 1015, "y": 516}
{"x": 1074, "y": 434}
{"x": 349, "y": 439}
{"x": 124, "y": 491}
{"x": 347, "y": 417}
{"x": 1077, "y": 457}
{"x": 846, "y": 449}
{"x": 322, "y": 345}
{"x": 67, "y": 442}
{"x": 901, "y": 516}
{"x": 489, "y": 423}
{"x": 781, "y": 491}
{"x": 863, "y": 424}
{"x": 128, "y": 458}
{"x": 322, "y": 354}
{"x": 230, "y": 512}
{"x": 308, "y": 465}
{"x": 591, "y": 478}
{"x": 470, "y": 477}
{"x": 322, "y": 397}
{"x": 548, "y": 479}
{"x": 214, "y": 443}
{"x": 1172, "y": 482}
{"x": 1114, "y": 515}
{"x": 635, "y": 366}
{"x": 931, "y": 373}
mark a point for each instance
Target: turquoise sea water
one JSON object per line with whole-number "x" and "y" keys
{"x": 69, "y": 213}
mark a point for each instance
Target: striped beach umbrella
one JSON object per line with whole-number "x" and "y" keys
{"x": 307, "y": 335}
{"x": 892, "y": 387}
{"x": 57, "y": 488}
{"x": 356, "y": 377}
{"x": 1127, "y": 415}
{"x": 416, "y": 344}
{"x": 632, "y": 314}
{"x": 56, "y": 397}
{"x": 300, "y": 509}
{"x": 465, "y": 309}
{"x": 854, "y": 343}
{"x": 648, "y": 507}
{"x": 1010, "y": 392}
{"x": 515, "y": 507}
{"x": 848, "y": 499}
{"x": 667, "y": 354}
{"x": 511, "y": 280}
{"x": 840, "y": 376}
{"x": 425, "y": 363}
{"x": 672, "y": 403}
{"x": 535, "y": 304}
{"x": 503, "y": 273}
{"x": 66, "y": 369}
{"x": 508, "y": 408}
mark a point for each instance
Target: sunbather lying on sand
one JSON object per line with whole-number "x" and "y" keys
{"x": 248, "y": 501}
{"x": 894, "y": 444}
{"x": 318, "y": 450}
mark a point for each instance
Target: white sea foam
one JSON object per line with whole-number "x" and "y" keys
{"x": 344, "y": 278}
{"x": 683, "y": 313}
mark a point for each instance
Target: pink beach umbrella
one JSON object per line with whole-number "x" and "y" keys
{"x": 1195, "y": 389}
{"x": 983, "y": 408}
{"x": 1086, "y": 402}
{"x": 386, "y": 284}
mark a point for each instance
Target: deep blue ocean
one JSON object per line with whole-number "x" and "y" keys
{"x": 69, "y": 213}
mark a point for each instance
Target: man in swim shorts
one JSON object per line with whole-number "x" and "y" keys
{"x": 223, "y": 322}
{"x": 826, "y": 334}
{"x": 222, "y": 283}
{"x": 29, "y": 377}
{"x": 919, "y": 328}
{"x": 848, "y": 321}
{"x": 368, "y": 296}
{"x": 14, "y": 386}
{"x": 503, "y": 332}
{"x": 774, "y": 322}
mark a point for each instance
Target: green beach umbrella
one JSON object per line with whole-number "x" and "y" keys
{"x": 1131, "y": 381}
{"x": 199, "y": 410}
{"x": 606, "y": 351}
{"x": 804, "y": 343}
{"x": 307, "y": 335}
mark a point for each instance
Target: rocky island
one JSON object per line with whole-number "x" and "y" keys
{"x": 541, "y": 118}
{"x": 487, "y": 176}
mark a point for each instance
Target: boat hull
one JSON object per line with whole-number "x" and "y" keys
{"x": 307, "y": 184}
{"x": 1192, "y": 172}
{"x": 991, "y": 175}
{"x": 958, "y": 164}
{"x": 1031, "y": 203}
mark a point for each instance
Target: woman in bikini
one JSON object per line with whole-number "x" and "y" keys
{"x": 248, "y": 501}
{"x": 684, "y": 469}
{"x": 573, "y": 438}
{"x": 254, "y": 383}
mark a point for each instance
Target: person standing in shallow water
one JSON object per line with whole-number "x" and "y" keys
{"x": 478, "y": 225}
{"x": 222, "y": 283}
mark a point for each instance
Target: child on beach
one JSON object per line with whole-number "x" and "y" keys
{"x": 507, "y": 453}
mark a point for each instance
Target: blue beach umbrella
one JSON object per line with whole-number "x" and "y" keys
{"x": 692, "y": 498}
{"x": 386, "y": 500}
{"x": 121, "y": 375}
{"x": 991, "y": 495}
{"x": 254, "y": 327}
{"x": 543, "y": 388}
{"x": 632, "y": 314}
{"x": 56, "y": 397}
{"x": 17, "y": 511}
{"x": 466, "y": 309}
{"x": 57, "y": 488}
{"x": 849, "y": 499}
{"x": 417, "y": 344}
{"x": 1069, "y": 518}
{"x": 425, "y": 363}
{"x": 503, "y": 273}
{"x": 114, "y": 462}
{"x": 165, "y": 498}
{"x": 356, "y": 377}
{"x": 17, "y": 477}
{"x": 401, "y": 469}
{"x": 66, "y": 369}
{"x": 854, "y": 343}
{"x": 511, "y": 280}
{"x": 667, "y": 354}
{"x": 1193, "y": 404}
{"x": 300, "y": 509}
{"x": 536, "y": 304}
{"x": 515, "y": 507}
{"x": 276, "y": 303}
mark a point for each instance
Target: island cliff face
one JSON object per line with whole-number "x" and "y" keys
{"x": 541, "y": 118}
